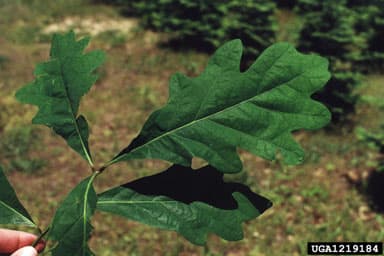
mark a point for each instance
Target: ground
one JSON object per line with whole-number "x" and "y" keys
{"x": 322, "y": 199}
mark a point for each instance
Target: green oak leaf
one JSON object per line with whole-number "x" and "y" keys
{"x": 209, "y": 116}
{"x": 11, "y": 210}
{"x": 58, "y": 87}
{"x": 192, "y": 202}
{"x": 71, "y": 226}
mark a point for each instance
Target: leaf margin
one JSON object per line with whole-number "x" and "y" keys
{"x": 89, "y": 201}
{"x": 59, "y": 45}
{"x": 194, "y": 220}
{"x": 18, "y": 208}
{"x": 128, "y": 152}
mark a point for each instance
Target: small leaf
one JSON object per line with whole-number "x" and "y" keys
{"x": 58, "y": 87}
{"x": 11, "y": 210}
{"x": 191, "y": 202}
{"x": 71, "y": 226}
{"x": 211, "y": 115}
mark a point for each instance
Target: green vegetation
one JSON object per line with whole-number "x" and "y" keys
{"x": 15, "y": 146}
{"x": 320, "y": 193}
{"x": 350, "y": 38}
{"x": 12, "y": 210}
{"x": 334, "y": 39}
{"x": 57, "y": 90}
{"x": 369, "y": 25}
{"x": 202, "y": 24}
{"x": 276, "y": 87}
{"x": 262, "y": 90}
{"x": 376, "y": 141}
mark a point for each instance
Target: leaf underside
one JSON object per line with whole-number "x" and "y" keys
{"x": 192, "y": 202}
{"x": 11, "y": 210}
{"x": 58, "y": 87}
{"x": 211, "y": 115}
{"x": 71, "y": 226}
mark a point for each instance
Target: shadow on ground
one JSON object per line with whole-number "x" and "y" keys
{"x": 374, "y": 190}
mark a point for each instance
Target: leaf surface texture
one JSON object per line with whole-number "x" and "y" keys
{"x": 71, "y": 226}
{"x": 167, "y": 201}
{"x": 58, "y": 87}
{"x": 211, "y": 115}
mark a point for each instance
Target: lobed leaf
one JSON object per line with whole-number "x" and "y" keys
{"x": 11, "y": 210}
{"x": 71, "y": 226}
{"x": 191, "y": 202}
{"x": 211, "y": 115}
{"x": 58, "y": 87}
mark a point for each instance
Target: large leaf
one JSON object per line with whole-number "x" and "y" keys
{"x": 211, "y": 115}
{"x": 11, "y": 210}
{"x": 71, "y": 226}
{"x": 58, "y": 87}
{"x": 191, "y": 202}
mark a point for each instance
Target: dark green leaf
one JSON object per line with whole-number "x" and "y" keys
{"x": 71, "y": 226}
{"x": 58, "y": 87}
{"x": 11, "y": 210}
{"x": 211, "y": 115}
{"x": 191, "y": 202}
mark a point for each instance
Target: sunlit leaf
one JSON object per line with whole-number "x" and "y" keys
{"x": 211, "y": 115}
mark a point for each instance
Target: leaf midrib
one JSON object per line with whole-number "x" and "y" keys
{"x": 83, "y": 215}
{"x": 133, "y": 202}
{"x": 85, "y": 209}
{"x": 205, "y": 117}
{"x": 18, "y": 213}
{"x": 65, "y": 83}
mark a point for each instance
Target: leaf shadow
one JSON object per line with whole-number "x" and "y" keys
{"x": 206, "y": 185}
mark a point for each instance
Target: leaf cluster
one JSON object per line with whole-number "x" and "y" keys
{"x": 208, "y": 116}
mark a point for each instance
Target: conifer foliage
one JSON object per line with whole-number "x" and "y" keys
{"x": 209, "y": 24}
{"x": 370, "y": 25}
{"x": 329, "y": 30}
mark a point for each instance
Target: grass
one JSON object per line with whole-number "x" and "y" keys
{"x": 314, "y": 201}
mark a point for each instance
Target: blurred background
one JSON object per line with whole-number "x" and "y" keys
{"x": 335, "y": 195}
